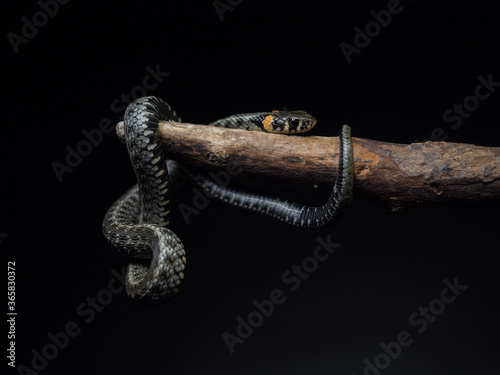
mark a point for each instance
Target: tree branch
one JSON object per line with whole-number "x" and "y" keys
{"x": 397, "y": 174}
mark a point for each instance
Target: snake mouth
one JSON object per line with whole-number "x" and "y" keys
{"x": 306, "y": 125}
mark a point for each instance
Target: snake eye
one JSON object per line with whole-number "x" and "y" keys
{"x": 294, "y": 122}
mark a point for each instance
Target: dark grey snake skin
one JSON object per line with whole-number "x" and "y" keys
{"x": 137, "y": 223}
{"x": 289, "y": 212}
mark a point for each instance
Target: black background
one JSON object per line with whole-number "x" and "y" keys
{"x": 262, "y": 55}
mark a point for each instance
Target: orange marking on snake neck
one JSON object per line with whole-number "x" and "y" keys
{"x": 267, "y": 123}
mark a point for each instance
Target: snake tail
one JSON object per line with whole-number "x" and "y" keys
{"x": 289, "y": 212}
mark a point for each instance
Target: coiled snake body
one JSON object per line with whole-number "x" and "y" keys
{"x": 137, "y": 223}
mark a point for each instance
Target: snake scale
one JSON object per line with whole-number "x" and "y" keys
{"x": 137, "y": 223}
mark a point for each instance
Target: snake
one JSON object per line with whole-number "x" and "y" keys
{"x": 137, "y": 224}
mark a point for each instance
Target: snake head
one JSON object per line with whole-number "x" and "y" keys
{"x": 289, "y": 122}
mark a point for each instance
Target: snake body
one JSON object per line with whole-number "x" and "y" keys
{"x": 289, "y": 212}
{"x": 137, "y": 223}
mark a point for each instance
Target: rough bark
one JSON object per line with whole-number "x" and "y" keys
{"x": 399, "y": 175}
